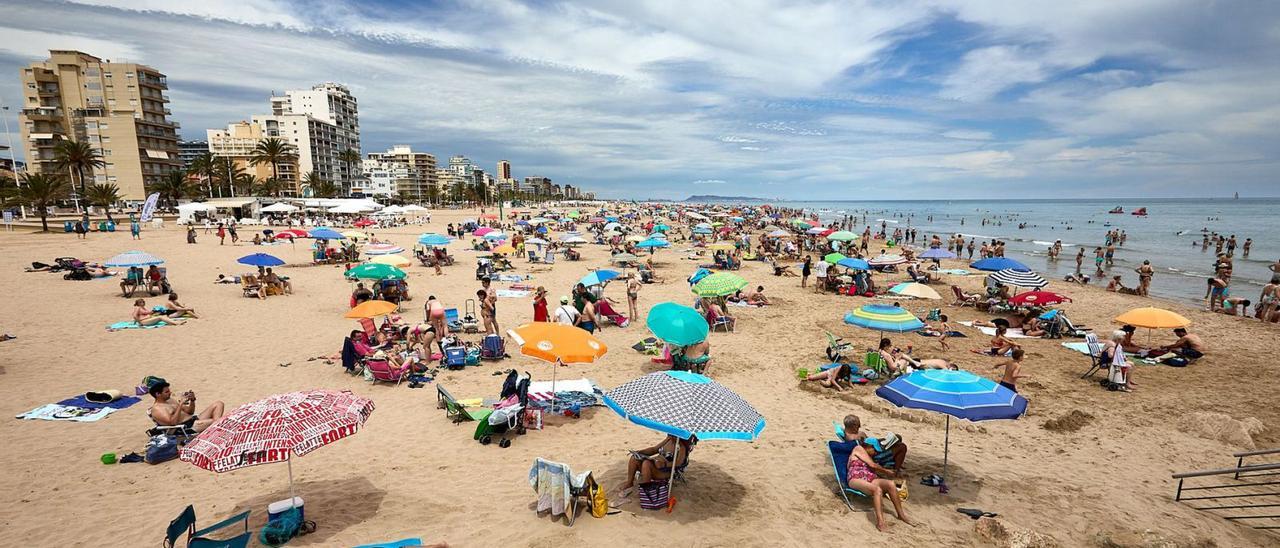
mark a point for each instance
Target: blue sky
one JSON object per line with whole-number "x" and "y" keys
{"x": 790, "y": 99}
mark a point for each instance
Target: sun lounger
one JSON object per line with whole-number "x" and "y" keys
{"x": 460, "y": 413}
{"x": 186, "y": 522}
{"x": 382, "y": 370}
{"x": 964, "y": 299}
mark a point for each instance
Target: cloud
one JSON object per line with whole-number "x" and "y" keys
{"x": 710, "y": 182}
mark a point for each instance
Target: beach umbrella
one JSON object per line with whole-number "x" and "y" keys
{"x": 661, "y": 228}
{"x": 279, "y": 207}
{"x": 557, "y": 344}
{"x": 652, "y": 243}
{"x": 834, "y": 258}
{"x": 495, "y": 236}
{"x": 884, "y": 317}
{"x": 398, "y": 261}
{"x": 323, "y": 233}
{"x": 371, "y": 309}
{"x": 684, "y": 405}
{"x": 504, "y": 249}
{"x": 779, "y": 233}
{"x": 375, "y": 271}
{"x": 363, "y": 223}
{"x": 433, "y": 239}
{"x": 569, "y": 239}
{"x": 913, "y": 289}
{"x": 937, "y": 253}
{"x": 573, "y": 214}
{"x": 1153, "y": 318}
{"x": 277, "y": 429}
{"x": 842, "y": 236}
{"x": 482, "y": 231}
{"x": 720, "y": 284}
{"x": 658, "y": 235}
{"x": 260, "y": 259}
{"x": 959, "y": 394}
{"x": 598, "y": 277}
{"x": 677, "y": 324}
{"x": 887, "y": 260}
{"x": 522, "y": 222}
{"x": 1015, "y": 278}
{"x": 383, "y": 249}
{"x": 702, "y": 225}
{"x": 489, "y": 216}
{"x": 536, "y": 241}
{"x": 995, "y": 264}
{"x": 356, "y": 235}
{"x": 721, "y": 246}
{"x": 291, "y": 233}
{"x": 539, "y": 220}
{"x": 1039, "y": 298}
{"x": 854, "y": 263}
{"x": 815, "y": 230}
{"x": 133, "y": 258}
{"x": 636, "y": 238}
{"x": 702, "y": 231}
{"x": 624, "y": 258}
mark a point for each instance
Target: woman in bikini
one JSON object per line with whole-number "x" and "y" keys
{"x": 435, "y": 316}
{"x": 144, "y": 317}
{"x": 1000, "y": 344}
{"x": 835, "y": 377}
{"x": 633, "y": 293}
{"x": 695, "y": 357}
{"x": 657, "y": 463}
{"x": 874, "y": 481}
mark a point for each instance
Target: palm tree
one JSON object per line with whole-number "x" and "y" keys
{"x": 320, "y": 187}
{"x": 41, "y": 191}
{"x": 103, "y": 194}
{"x": 433, "y": 194}
{"x": 229, "y": 174}
{"x": 205, "y": 166}
{"x": 172, "y": 187}
{"x": 272, "y": 150}
{"x": 350, "y": 157}
{"x": 79, "y": 157}
{"x": 246, "y": 184}
{"x": 268, "y": 187}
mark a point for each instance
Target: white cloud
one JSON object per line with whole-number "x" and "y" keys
{"x": 988, "y": 71}
{"x": 710, "y": 182}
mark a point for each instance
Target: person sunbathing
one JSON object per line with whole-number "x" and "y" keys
{"x": 836, "y": 377}
{"x": 1032, "y": 327}
{"x": 656, "y": 463}
{"x": 166, "y": 412}
{"x": 277, "y": 281}
{"x": 693, "y": 357}
{"x": 1000, "y": 344}
{"x": 757, "y": 297}
{"x": 891, "y": 357}
{"x": 177, "y": 309}
{"x": 144, "y": 317}
{"x": 931, "y": 363}
{"x": 875, "y": 481}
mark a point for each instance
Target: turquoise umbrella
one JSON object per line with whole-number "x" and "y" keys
{"x": 375, "y": 271}
{"x": 677, "y": 324}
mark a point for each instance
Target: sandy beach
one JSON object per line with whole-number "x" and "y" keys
{"x": 1098, "y": 476}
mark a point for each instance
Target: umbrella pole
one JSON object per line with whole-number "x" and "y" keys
{"x": 291, "y": 496}
{"x": 555, "y": 369}
{"x": 671, "y": 480}
{"x": 946, "y": 446}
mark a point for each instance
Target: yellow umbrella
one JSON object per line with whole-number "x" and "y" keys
{"x": 356, "y": 235}
{"x": 504, "y": 248}
{"x": 1153, "y": 318}
{"x": 393, "y": 260}
{"x": 371, "y": 309}
{"x": 720, "y": 246}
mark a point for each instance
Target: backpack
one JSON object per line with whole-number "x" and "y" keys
{"x": 161, "y": 448}
{"x": 599, "y": 503}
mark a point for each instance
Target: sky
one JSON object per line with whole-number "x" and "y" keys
{"x": 794, "y": 99}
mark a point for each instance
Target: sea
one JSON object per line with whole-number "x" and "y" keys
{"x": 1170, "y": 235}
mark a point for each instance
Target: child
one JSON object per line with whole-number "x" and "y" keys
{"x": 943, "y": 328}
{"x": 1012, "y": 370}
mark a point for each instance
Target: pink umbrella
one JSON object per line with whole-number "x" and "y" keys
{"x": 276, "y": 428}
{"x": 482, "y": 231}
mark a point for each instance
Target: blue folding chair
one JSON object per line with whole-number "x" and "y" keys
{"x": 186, "y": 523}
{"x": 840, "y": 453}
{"x": 452, "y": 320}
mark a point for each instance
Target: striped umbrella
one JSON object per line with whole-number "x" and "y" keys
{"x": 913, "y": 289}
{"x": 720, "y": 284}
{"x": 375, "y": 271}
{"x": 1015, "y": 278}
{"x": 884, "y": 317}
{"x": 959, "y": 394}
{"x": 398, "y": 261}
{"x": 383, "y": 249}
{"x": 842, "y": 236}
{"x": 133, "y": 258}
{"x": 887, "y": 260}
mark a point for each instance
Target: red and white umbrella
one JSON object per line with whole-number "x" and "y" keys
{"x": 277, "y": 428}
{"x": 292, "y": 233}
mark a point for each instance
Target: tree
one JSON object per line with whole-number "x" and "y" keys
{"x": 272, "y": 150}
{"x": 433, "y": 194}
{"x": 41, "y": 191}
{"x": 229, "y": 176}
{"x": 172, "y": 187}
{"x": 205, "y": 166}
{"x": 321, "y": 187}
{"x": 350, "y": 157}
{"x": 79, "y": 157}
{"x": 246, "y": 184}
{"x": 103, "y": 194}
{"x": 268, "y": 187}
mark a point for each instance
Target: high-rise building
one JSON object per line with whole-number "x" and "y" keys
{"x": 120, "y": 109}
{"x": 338, "y": 130}
{"x": 188, "y": 151}
{"x": 540, "y": 186}
{"x": 236, "y": 144}
{"x": 504, "y": 170}
{"x": 406, "y": 171}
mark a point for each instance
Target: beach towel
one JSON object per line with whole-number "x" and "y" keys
{"x": 1083, "y": 348}
{"x": 1012, "y": 333}
{"x": 58, "y": 412}
{"x": 954, "y": 271}
{"x": 743, "y": 304}
{"x": 543, "y": 388}
{"x": 952, "y": 334}
{"x": 553, "y": 482}
{"x": 513, "y": 293}
{"x": 511, "y": 277}
{"x": 133, "y": 325}
{"x": 81, "y": 401}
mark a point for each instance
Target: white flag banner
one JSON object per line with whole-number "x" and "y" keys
{"x": 149, "y": 208}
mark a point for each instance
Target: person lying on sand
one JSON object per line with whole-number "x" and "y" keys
{"x": 656, "y": 463}
{"x": 166, "y": 412}
{"x": 835, "y": 377}
{"x": 144, "y": 317}
{"x": 931, "y": 363}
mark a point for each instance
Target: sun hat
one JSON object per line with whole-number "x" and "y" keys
{"x": 564, "y": 300}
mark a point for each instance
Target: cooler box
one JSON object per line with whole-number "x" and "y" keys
{"x": 278, "y": 508}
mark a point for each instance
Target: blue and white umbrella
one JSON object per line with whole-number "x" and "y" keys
{"x": 260, "y": 259}
{"x": 686, "y": 404}
{"x": 598, "y": 277}
{"x": 994, "y": 264}
{"x": 326, "y": 234}
{"x": 433, "y": 239}
{"x": 652, "y": 243}
{"x": 854, "y": 263}
{"x": 1015, "y": 278}
{"x": 495, "y": 236}
{"x": 937, "y": 253}
{"x": 701, "y": 230}
{"x": 133, "y": 258}
{"x": 959, "y": 394}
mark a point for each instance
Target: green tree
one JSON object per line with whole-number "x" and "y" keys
{"x": 172, "y": 187}
{"x": 246, "y": 184}
{"x": 229, "y": 176}
{"x": 104, "y": 195}
{"x": 272, "y": 150}
{"x": 40, "y": 191}
{"x": 205, "y": 166}
{"x": 350, "y": 157}
{"x": 433, "y": 194}
{"x": 78, "y": 157}
{"x": 268, "y": 187}
{"x": 321, "y": 187}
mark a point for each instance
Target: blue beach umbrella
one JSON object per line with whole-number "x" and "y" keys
{"x": 598, "y": 277}
{"x": 959, "y": 394}
{"x": 133, "y": 258}
{"x": 260, "y": 259}
{"x": 937, "y": 253}
{"x": 701, "y": 230}
{"x": 326, "y": 234}
{"x": 494, "y": 236}
{"x": 433, "y": 239}
{"x": 854, "y": 263}
{"x": 884, "y": 317}
{"x": 677, "y": 324}
{"x": 652, "y": 243}
{"x": 994, "y": 264}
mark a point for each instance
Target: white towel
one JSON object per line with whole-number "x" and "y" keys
{"x": 1011, "y": 333}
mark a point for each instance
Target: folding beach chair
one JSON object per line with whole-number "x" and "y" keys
{"x": 840, "y": 452}
{"x": 382, "y": 370}
{"x": 452, "y": 320}
{"x": 836, "y": 347}
{"x": 963, "y": 299}
{"x": 1095, "y": 355}
{"x": 543, "y": 477}
{"x": 452, "y": 408}
{"x": 186, "y": 523}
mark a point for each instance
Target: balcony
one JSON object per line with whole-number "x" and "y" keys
{"x": 41, "y": 136}
{"x": 153, "y": 81}
{"x": 43, "y": 113}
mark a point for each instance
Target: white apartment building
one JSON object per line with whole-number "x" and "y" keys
{"x": 381, "y": 177}
{"x": 333, "y": 127}
{"x": 417, "y": 169}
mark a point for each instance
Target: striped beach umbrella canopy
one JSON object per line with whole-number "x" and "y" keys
{"x": 433, "y": 239}
{"x": 720, "y": 284}
{"x": 913, "y": 289}
{"x": 996, "y": 264}
{"x": 887, "y": 260}
{"x": 133, "y": 258}
{"x": 959, "y": 394}
{"x": 383, "y": 249}
{"x": 686, "y": 404}
{"x": 398, "y": 261}
{"x": 624, "y": 258}
{"x": 884, "y": 317}
{"x": 1016, "y": 278}
{"x": 937, "y": 253}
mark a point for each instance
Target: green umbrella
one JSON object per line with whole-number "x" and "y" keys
{"x": 842, "y": 236}
{"x": 624, "y": 258}
{"x": 720, "y": 284}
{"x": 375, "y": 271}
{"x": 573, "y": 214}
{"x": 834, "y": 258}
{"x": 677, "y": 324}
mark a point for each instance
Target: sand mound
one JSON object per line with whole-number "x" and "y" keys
{"x": 1069, "y": 422}
{"x": 1005, "y": 535}
{"x": 1149, "y": 539}
{"x": 1220, "y": 427}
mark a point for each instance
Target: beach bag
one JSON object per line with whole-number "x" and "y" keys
{"x": 654, "y": 495}
{"x": 599, "y": 503}
{"x": 1175, "y": 362}
{"x": 161, "y": 448}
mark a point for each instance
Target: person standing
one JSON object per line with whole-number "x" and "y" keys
{"x": 135, "y": 228}
{"x": 540, "y": 305}
{"x": 222, "y": 234}
{"x": 805, "y": 271}
{"x": 820, "y": 284}
{"x": 633, "y": 296}
{"x": 1079, "y": 260}
{"x": 191, "y": 234}
{"x": 970, "y": 249}
{"x": 1145, "y": 272}
{"x": 231, "y": 227}
{"x": 566, "y": 314}
{"x": 488, "y": 311}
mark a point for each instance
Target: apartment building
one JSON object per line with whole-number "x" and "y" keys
{"x": 411, "y": 173}
{"x": 334, "y": 128}
{"x": 236, "y": 144}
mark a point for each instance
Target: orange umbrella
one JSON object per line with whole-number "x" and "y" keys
{"x": 557, "y": 343}
{"x": 504, "y": 248}
{"x": 371, "y": 309}
{"x": 1153, "y": 318}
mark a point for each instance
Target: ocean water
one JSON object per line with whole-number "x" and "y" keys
{"x": 1169, "y": 236}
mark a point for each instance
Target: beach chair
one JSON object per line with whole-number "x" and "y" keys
{"x": 836, "y": 347}
{"x": 549, "y": 257}
{"x": 533, "y": 257}
{"x": 186, "y": 523}
{"x": 457, "y": 411}
{"x": 1095, "y": 355}
{"x": 876, "y": 362}
{"x": 182, "y": 433}
{"x": 370, "y": 330}
{"x": 579, "y": 486}
{"x": 964, "y": 299}
{"x": 716, "y": 321}
{"x": 452, "y": 320}
{"x": 382, "y": 370}
{"x": 250, "y": 286}
{"x": 840, "y": 452}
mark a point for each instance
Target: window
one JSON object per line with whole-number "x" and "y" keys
{"x": 111, "y": 178}
{"x": 128, "y": 75}
{"x": 103, "y": 125}
{"x": 91, "y": 124}
{"x": 106, "y": 74}
{"x": 91, "y": 71}
{"x": 93, "y": 85}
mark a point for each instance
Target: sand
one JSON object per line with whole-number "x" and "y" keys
{"x": 412, "y": 472}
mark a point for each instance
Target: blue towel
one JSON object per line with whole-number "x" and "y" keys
{"x": 397, "y": 544}
{"x": 79, "y": 401}
{"x": 132, "y": 325}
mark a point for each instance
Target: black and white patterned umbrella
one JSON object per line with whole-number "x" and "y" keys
{"x": 1015, "y": 278}
{"x": 686, "y": 404}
